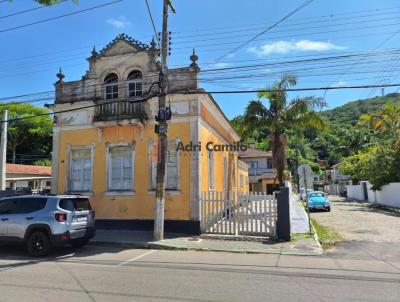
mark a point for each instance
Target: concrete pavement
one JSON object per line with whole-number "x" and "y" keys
{"x": 298, "y": 217}
{"x": 238, "y": 244}
{"x": 97, "y": 273}
{"x": 144, "y": 239}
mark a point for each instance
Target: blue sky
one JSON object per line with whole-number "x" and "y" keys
{"x": 31, "y": 56}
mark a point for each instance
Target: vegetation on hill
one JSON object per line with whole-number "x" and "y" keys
{"x": 349, "y": 113}
{"x": 344, "y": 137}
{"x": 379, "y": 163}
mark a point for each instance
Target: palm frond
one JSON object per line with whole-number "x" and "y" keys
{"x": 256, "y": 115}
{"x": 311, "y": 119}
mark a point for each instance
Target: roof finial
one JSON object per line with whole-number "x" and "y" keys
{"x": 194, "y": 58}
{"x": 153, "y": 44}
{"x": 60, "y": 75}
{"x": 94, "y": 51}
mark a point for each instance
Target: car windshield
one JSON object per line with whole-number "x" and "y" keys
{"x": 75, "y": 204}
{"x": 317, "y": 195}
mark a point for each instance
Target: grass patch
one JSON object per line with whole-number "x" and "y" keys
{"x": 327, "y": 236}
{"x": 300, "y": 236}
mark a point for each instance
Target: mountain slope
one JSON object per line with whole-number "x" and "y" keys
{"x": 348, "y": 114}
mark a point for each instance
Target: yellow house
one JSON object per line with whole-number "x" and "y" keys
{"x": 105, "y": 146}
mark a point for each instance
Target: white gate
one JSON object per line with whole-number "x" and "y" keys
{"x": 252, "y": 214}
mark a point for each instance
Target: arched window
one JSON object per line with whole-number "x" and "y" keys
{"x": 111, "y": 86}
{"x": 134, "y": 82}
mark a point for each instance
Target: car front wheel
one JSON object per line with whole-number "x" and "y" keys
{"x": 38, "y": 244}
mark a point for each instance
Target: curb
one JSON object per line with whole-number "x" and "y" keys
{"x": 157, "y": 246}
{"x": 315, "y": 235}
{"x": 122, "y": 244}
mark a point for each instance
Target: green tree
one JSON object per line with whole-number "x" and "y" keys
{"x": 43, "y": 162}
{"x": 52, "y": 2}
{"x": 280, "y": 116}
{"x": 380, "y": 162}
{"x": 27, "y": 130}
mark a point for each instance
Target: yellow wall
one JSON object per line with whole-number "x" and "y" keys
{"x": 141, "y": 205}
{"x": 205, "y": 135}
{"x": 245, "y": 174}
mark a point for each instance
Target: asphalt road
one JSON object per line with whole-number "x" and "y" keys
{"x": 113, "y": 274}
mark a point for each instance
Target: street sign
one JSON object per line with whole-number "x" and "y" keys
{"x": 304, "y": 170}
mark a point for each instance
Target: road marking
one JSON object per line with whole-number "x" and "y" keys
{"x": 137, "y": 258}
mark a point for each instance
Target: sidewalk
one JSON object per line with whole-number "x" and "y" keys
{"x": 298, "y": 217}
{"x": 143, "y": 239}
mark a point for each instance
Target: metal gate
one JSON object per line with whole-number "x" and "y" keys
{"x": 251, "y": 214}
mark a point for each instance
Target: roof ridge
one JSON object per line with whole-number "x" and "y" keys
{"x": 126, "y": 38}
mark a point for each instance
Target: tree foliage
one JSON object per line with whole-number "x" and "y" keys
{"x": 52, "y": 2}
{"x": 28, "y": 132}
{"x": 273, "y": 121}
{"x": 380, "y": 162}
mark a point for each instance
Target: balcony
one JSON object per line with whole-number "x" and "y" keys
{"x": 119, "y": 110}
{"x": 257, "y": 174}
{"x": 260, "y": 171}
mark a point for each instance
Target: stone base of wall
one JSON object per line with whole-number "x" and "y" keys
{"x": 170, "y": 226}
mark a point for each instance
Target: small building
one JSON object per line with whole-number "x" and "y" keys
{"x": 262, "y": 174}
{"x": 337, "y": 180}
{"x": 105, "y": 145}
{"x": 36, "y": 178}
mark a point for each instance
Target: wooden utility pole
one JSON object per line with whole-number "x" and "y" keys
{"x": 163, "y": 115}
{"x": 3, "y": 150}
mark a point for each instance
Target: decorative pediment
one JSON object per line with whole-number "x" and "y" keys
{"x": 122, "y": 44}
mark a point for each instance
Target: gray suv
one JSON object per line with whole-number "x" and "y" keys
{"x": 44, "y": 221}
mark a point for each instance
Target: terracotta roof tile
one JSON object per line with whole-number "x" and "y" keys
{"x": 28, "y": 169}
{"x": 251, "y": 152}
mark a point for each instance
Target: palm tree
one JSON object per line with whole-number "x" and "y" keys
{"x": 281, "y": 116}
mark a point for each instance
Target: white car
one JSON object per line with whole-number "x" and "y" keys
{"x": 303, "y": 193}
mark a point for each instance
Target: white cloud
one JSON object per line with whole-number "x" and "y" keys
{"x": 120, "y": 22}
{"x": 222, "y": 65}
{"x": 338, "y": 84}
{"x": 282, "y": 47}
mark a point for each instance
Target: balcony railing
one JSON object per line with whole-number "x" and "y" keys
{"x": 259, "y": 171}
{"x": 119, "y": 110}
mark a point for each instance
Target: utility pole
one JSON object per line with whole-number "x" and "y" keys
{"x": 3, "y": 150}
{"x": 164, "y": 114}
{"x": 308, "y": 207}
{"x": 297, "y": 165}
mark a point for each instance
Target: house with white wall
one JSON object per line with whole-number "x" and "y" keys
{"x": 36, "y": 178}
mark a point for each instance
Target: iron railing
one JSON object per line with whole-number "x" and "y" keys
{"x": 119, "y": 110}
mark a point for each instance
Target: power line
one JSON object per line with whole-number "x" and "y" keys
{"x": 282, "y": 31}
{"x": 210, "y": 92}
{"x": 152, "y": 22}
{"x": 26, "y": 11}
{"x": 44, "y": 95}
{"x": 264, "y": 31}
{"x": 375, "y": 49}
{"x": 292, "y": 89}
{"x": 59, "y": 17}
{"x": 353, "y": 14}
{"x": 72, "y": 109}
{"x": 287, "y": 36}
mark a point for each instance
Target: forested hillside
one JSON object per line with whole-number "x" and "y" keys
{"x": 350, "y": 112}
{"x": 342, "y": 136}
